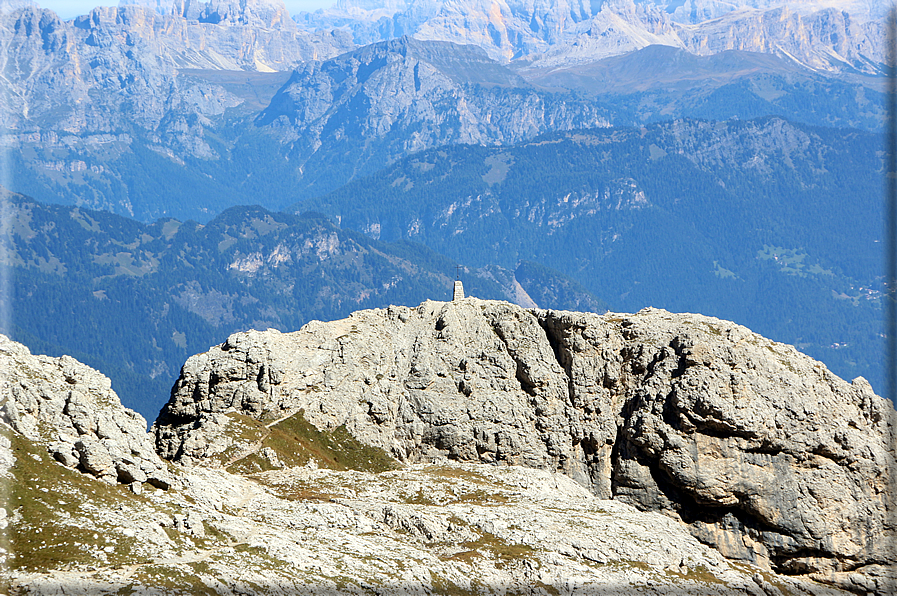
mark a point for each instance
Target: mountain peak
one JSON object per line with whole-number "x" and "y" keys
{"x": 655, "y": 409}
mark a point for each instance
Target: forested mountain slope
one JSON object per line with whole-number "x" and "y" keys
{"x": 771, "y": 224}
{"x": 135, "y": 299}
{"x": 185, "y": 109}
{"x": 230, "y": 103}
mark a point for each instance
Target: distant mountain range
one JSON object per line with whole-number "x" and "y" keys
{"x": 832, "y": 35}
{"x": 765, "y": 222}
{"x": 153, "y": 110}
{"x": 139, "y": 298}
{"x": 692, "y": 154}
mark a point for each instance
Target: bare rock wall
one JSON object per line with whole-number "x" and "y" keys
{"x": 762, "y": 451}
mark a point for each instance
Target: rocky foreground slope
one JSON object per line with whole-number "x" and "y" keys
{"x": 758, "y": 449}
{"x": 470, "y": 447}
{"x": 71, "y": 526}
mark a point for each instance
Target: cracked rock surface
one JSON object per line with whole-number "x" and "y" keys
{"x": 444, "y": 528}
{"x": 72, "y": 408}
{"x": 435, "y": 528}
{"x": 763, "y": 452}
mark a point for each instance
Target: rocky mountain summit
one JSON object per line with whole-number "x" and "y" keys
{"x": 136, "y": 108}
{"x": 341, "y": 518}
{"x": 366, "y": 108}
{"x": 92, "y": 101}
{"x": 758, "y": 449}
{"x": 69, "y": 75}
{"x": 178, "y": 287}
{"x": 835, "y": 35}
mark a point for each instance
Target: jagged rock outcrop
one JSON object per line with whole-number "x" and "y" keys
{"x": 72, "y": 409}
{"x": 71, "y": 75}
{"x": 98, "y": 93}
{"x": 825, "y": 39}
{"x": 760, "y": 449}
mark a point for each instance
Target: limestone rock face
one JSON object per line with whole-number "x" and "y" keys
{"x": 837, "y": 37}
{"x": 72, "y": 76}
{"x": 72, "y": 409}
{"x": 418, "y": 95}
{"x": 818, "y": 39}
{"x": 760, "y": 449}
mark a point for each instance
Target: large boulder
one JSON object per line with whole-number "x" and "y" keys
{"x": 761, "y": 450}
{"x": 72, "y": 409}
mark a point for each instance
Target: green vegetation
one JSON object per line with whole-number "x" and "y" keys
{"x": 698, "y": 574}
{"x": 172, "y": 580}
{"x": 296, "y": 441}
{"x": 183, "y": 292}
{"x": 490, "y": 545}
{"x": 445, "y": 587}
{"x": 777, "y": 234}
{"x": 772, "y": 225}
{"x": 419, "y": 498}
{"x": 49, "y": 528}
{"x": 243, "y": 431}
{"x": 772, "y": 579}
{"x": 460, "y": 474}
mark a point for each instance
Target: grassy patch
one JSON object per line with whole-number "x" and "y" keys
{"x": 634, "y": 564}
{"x": 336, "y": 449}
{"x": 481, "y": 497}
{"x": 791, "y": 261}
{"x": 250, "y": 464}
{"x": 446, "y": 587}
{"x": 171, "y": 580}
{"x": 243, "y": 430}
{"x": 501, "y": 550}
{"x": 419, "y": 498}
{"x": 296, "y": 442}
{"x": 466, "y": 556}
{"x": 697, "y": 574}
{"x": 459, "y": 473}
{"x": 47, "y": 532}
{"x": 771, "y": 578}
{"x": 299, "y": 492}
{"x": 722, "y": 272}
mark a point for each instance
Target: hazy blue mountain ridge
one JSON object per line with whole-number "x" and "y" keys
{"x": 662, "y": 83}
{"x": 136, "y": 299}
{"x": 837, "y": 36}
{"x": 196, "y": 126}
{"x": 765, "y": 222}
{"x": 576, "y": 157}
{"x": 358, "y": 112}
{"x": 96, "y": 112}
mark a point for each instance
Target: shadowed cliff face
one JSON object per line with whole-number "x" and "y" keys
{"x": 761, "y": 450}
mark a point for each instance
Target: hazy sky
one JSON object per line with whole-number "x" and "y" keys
{"x": 72, "y": 8}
